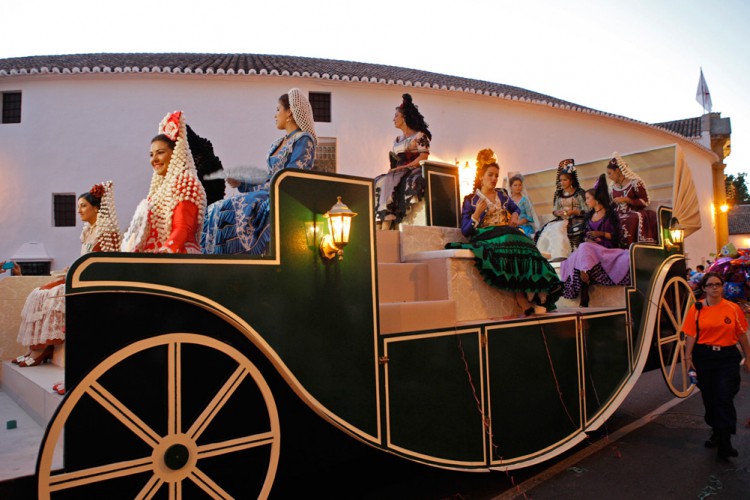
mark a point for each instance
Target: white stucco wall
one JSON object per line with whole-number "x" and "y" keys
{"x": 77, "y": 130}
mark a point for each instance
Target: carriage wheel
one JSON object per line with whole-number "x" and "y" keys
{"x": 176, "y": 457}
{"x": 674, "y": 303}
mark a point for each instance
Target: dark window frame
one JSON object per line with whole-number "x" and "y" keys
{"x": 321, "y": 106}
{"x": 64, "y": 209}
{"x": 11, "y": 106}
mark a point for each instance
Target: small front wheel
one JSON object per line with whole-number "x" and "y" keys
{"x": 676, "y": 299}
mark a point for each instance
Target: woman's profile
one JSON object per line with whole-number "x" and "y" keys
{"x": 403, "y": 185}
{"x": 240, "y": 224}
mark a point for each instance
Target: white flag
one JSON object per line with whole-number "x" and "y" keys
{"x": 702, "y": 95}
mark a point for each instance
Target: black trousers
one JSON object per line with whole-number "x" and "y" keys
{"x": 719, "y": 381}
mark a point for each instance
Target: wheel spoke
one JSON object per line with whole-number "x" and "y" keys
{"x": 233, "y": 445}
{"x": 667, "y": 309}
{"x": 150, "y": 489}
{"x": 174, "y": 389}
{"x": 96, "y": 474}
{"x": 677, "y": 353}
{"x": 218, "y": 402}
{"x": 678, "y": 304}
{"x": 668, "y": 340}
{"x": 208, "y": 485}
{"x": 123, "y": 414}
{"x": 175, "y": 490}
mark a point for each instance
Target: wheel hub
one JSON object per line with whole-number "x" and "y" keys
{"x": 176, "y": 456}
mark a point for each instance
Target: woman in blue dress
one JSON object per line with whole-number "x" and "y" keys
{"x": 505, "y": 257}
{"x": 240, "y": 225}
{"x": 527, "y": 216}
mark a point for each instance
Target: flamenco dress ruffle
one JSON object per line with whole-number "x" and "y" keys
{"x": 43, "y": 315}
{"x": 237, "y": 225}
{"x": 509, "y": 260}
{"x": 401, "y": 189}
{"x": 605, "y": 266}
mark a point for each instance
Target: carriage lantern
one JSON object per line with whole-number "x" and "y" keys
{"x": 339, "y": 223}
{"x": 676, "y": 232}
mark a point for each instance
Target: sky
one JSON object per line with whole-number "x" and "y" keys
{"x": 636, "y": 58}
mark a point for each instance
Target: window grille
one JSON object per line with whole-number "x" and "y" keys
{"x": 64, "y": 210}
{"x": 321, "y": 106}
{"x": 11, "y": 107}
{"x": 325, "y": 155}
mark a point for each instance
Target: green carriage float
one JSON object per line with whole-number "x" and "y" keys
{"x": 227, "y": 376}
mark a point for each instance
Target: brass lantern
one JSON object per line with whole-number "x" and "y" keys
{"x": 339, "y": 224}
{"x": 676, "y": 232}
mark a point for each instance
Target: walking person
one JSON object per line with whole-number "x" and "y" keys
{"x": 714, "y": 326}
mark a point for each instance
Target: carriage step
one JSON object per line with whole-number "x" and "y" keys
{"x": 31, "y": 388}
{"x": 410, "y": 282}
{"x": 387, "y": 243}
{"x": 397, "y": 317}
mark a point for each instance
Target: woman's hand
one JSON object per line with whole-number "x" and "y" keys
{"x": 481, "y": 207}
{"x": 689, "y": 362}
{"x": 621, "y": 199}
{"x": 233, "y": 182}
{"x": 747, "y": 365}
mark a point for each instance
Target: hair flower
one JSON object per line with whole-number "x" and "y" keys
{"x": 97, "y": 190}
{"x": 170, "y": 125}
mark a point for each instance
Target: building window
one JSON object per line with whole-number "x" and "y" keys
{"x": 11, "y": 107}
{"x": 321, "y": 106}
{"x": 325, "y": 155}
{"x": 64, "y": 209}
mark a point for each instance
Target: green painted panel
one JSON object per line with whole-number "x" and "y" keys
{"x": 318, "y": 315}
{"x": 432, "y": 406}
{"x": 527, "y": 365}
{"x": 605, "y": 357}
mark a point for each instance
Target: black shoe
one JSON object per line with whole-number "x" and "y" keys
{"x": 725, "y": 453}
{"x": 725, "y": 446}
{"x": 712, "y": 442}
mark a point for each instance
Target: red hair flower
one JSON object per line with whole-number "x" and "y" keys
{"x": 170, "y": 125}
{"x": 97, "y": 191}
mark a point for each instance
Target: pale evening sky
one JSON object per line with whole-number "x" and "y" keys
{"x": 637, "y": 58}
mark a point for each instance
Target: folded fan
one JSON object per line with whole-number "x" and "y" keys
{"x": 249, "y": 174}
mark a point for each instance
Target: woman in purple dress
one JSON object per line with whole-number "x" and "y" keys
{"x": 598, "y": 260}
{"x": 637, "y": 222}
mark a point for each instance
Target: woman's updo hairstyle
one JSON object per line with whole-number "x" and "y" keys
{"x": 485, "y": 159}
{"x": 94, "y": 195}
{"x": 413, "y": 118}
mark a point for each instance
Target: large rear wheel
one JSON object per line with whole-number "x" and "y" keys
{"x": 178, "y": 451}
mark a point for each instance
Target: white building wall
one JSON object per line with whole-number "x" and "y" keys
{"x": 77, "y": 130}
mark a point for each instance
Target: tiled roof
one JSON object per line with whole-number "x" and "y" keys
{"x": 739, "y": 219}
{"x": 255, "y": 64}
{"x": 305, "y": 67}
{"x": 688, "y": 127}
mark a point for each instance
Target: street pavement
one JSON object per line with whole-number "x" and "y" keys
{"x": 655, "y": 452}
